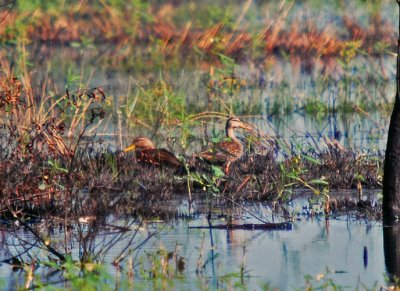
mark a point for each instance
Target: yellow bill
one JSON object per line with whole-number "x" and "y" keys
{"x": 130, "y": 148}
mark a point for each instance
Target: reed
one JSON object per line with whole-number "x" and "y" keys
{"x": 176, "y": 31}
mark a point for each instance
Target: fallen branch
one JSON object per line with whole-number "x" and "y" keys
{"x": 249, "y": 226}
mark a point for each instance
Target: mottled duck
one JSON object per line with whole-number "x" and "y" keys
{"x": 147, "y": 153}
{"x": 226, "y": 152}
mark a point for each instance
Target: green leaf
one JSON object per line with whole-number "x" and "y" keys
{"x": 359, "y": 178}
{"x": 75, "y": 44}
{"x": 292, "y": 176}
{"x": 57, "y": 167}
{"x": 217, "y": 171}
{"x": 321, "y": 182}
{"x": 312, "y": 160}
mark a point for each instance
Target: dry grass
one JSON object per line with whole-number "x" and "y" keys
{"x": 107, "y": 24}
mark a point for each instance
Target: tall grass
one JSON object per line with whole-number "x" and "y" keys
{"x": 175, "y": 31}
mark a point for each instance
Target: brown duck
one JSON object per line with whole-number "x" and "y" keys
{"x": 226, "y": 152}
{"x": 147, "y": 153}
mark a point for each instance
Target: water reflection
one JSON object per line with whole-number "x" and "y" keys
{"x": 340, "y": 249}
{"x": 350, "y": 130}
{"x": 347, "y": 250}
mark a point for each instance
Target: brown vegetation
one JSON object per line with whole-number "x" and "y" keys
{"x": 108, "y": 25}
{"x": 42, "y": 167}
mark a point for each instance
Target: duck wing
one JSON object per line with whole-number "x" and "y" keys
{"x": 221, "y": 152}
{"x": 166, "y": 157}
{"x": 158, "y": 157}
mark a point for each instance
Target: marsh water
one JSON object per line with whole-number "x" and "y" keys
{"x": 347, "y": 248}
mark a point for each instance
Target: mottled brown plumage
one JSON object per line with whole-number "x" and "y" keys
{"x": 147, "y": 153}
{"x": 226, "y": 152}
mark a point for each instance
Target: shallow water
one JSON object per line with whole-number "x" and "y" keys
{"x": 283, "y": 258}
{"x": 346, "y": 248}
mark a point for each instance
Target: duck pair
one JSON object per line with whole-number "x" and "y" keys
{"x": 225, "y": 152}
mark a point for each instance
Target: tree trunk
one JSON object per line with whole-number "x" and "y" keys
{"x": 391, "y": 248}
{"x": 391, "y": 179}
